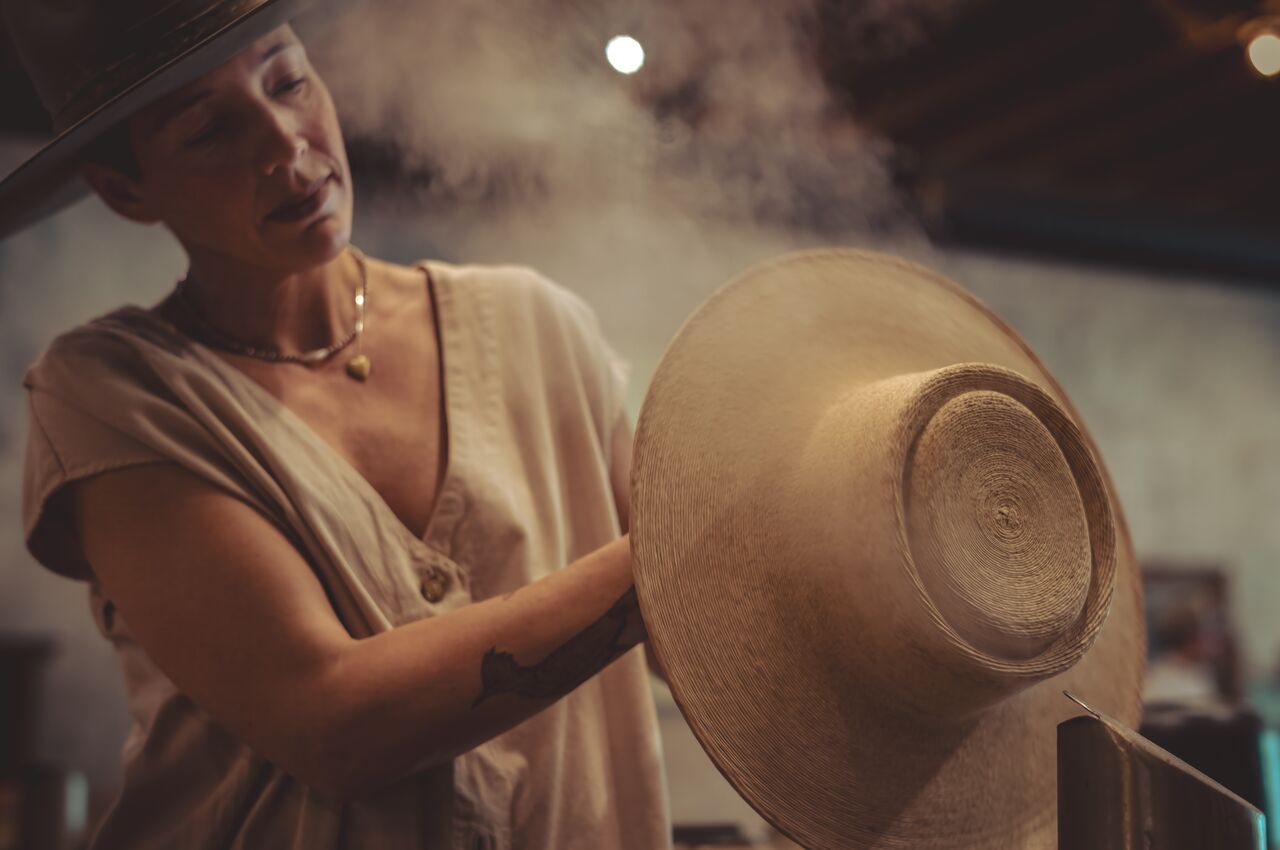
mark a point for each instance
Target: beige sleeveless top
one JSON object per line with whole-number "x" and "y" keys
{"x": 532, "y": 395}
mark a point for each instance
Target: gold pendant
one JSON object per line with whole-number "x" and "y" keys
{"x": 358, "y": 367}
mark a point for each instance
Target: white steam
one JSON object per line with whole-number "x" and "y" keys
{"x": 646, "y": 191}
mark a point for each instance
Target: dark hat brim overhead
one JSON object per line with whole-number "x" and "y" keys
{"x": 873, "y": 544}
{"x": 48, "y": 181}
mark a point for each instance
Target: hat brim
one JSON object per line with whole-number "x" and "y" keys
{"x": 827, "y": 770}
{"x": 48, "y": 181}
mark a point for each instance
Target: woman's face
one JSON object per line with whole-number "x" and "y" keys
{"x": 221, "y": 156}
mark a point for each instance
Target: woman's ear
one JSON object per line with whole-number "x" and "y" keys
{"x": 118, "y": 191}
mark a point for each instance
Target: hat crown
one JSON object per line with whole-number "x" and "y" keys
{"x": 996, "y": 526}
{"x": 82, "y": 53}
{"x": 959, "y": 514}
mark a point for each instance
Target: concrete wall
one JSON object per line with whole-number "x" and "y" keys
{"x": 1179, "y": 381}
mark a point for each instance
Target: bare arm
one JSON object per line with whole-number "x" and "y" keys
{"x": 229, "y": 610}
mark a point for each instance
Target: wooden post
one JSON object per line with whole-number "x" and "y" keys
{"x": 1119, "y": 791}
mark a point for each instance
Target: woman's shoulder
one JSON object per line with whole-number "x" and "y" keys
{"x": 98, "y": 346}
{"x": 536, "y": 318}
{"x": 464, "y": 280}
{"x": 509, "y": 278}
{"x": 519, "y": 293}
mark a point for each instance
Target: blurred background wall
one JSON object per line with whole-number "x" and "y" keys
{"x": 941, "y": 131}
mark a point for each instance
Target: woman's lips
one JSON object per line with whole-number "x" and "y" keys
{"x": 305, "y": 208}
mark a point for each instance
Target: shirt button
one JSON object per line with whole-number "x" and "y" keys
{"x": 434, "y": 585}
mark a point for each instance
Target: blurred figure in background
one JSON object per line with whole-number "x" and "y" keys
{"x": 1183, "y": 670}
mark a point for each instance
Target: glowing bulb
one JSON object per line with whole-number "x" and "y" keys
{"x": 625, "y": 54}
{"x": 1264, "y": 53}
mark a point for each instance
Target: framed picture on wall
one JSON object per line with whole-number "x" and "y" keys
{"x": 1192, "y": 648}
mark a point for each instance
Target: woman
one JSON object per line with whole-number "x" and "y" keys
{"x": 323, "y": 503}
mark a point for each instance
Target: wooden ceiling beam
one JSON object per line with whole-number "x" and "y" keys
{"x": 1153, "y": 174}
{"x": 1089, "y": 148}
{"x": 1232, "y": 187}
{"x": 991, "y": 139}
{"x": 1200, "y": 157}
{"x": 899, "y": 110}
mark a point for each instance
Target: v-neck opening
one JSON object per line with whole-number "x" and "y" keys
{"x": 445, "y": 474}
{"x": 445, "y": 478}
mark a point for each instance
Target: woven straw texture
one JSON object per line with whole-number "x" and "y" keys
{"x": 873, "y": 544}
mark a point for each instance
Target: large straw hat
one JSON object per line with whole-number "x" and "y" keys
{"x": 873, "y": 544}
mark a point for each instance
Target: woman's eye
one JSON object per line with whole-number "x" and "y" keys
{"x": 292, "y": 85}
{"x": 207, "y": 136}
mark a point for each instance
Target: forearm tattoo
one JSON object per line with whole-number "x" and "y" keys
{"x": 568, "y": 666}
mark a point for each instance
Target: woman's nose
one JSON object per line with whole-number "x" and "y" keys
{"x": 282, "y": 146}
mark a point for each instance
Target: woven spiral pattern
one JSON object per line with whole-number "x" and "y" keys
{"x": 996, "y": 526}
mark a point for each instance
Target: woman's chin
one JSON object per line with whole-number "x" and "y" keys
{"x": 318, "y": 243}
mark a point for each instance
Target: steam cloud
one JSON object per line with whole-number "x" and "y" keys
{"x": 643, "y": 192}
{"x": 513, "y": 99}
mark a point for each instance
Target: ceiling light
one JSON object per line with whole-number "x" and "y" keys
{"x": 625, "y": 54}
{"x": 1264, "y": 53}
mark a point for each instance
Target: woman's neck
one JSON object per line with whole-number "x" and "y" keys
{"x": 262, "y": 307}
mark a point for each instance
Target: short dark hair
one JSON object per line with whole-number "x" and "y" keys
{"x": 114, "y": 149}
